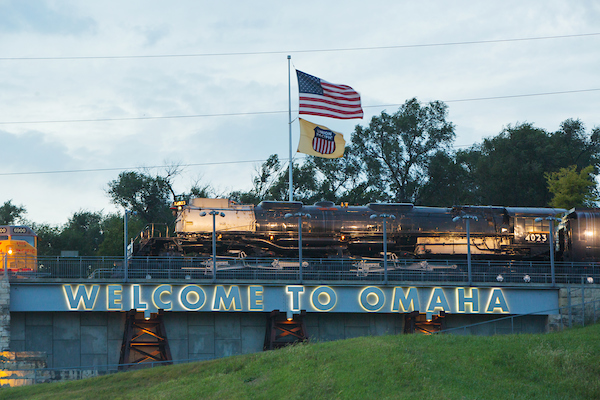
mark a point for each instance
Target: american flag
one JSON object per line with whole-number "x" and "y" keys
{"x": 319, "y": 97}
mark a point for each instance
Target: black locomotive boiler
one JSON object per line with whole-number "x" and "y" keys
{"x": 270, "y": 229}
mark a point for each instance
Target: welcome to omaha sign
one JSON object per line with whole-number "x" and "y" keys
{"x": 294, "y": 298}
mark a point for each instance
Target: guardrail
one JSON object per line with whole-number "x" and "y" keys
{"x": 266, "y": 269}
{"x": 48, "y": 375}
{"x": 581, "y": 314}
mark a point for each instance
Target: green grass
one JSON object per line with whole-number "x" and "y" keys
{"x": 563, "y": 365}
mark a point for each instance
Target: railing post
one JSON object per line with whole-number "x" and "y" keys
{"x": 582, "y": 302}
{"x": 569, "y": 305}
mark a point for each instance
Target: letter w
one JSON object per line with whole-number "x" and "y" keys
{"x": 82, "y": 295}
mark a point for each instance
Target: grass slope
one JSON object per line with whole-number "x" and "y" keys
{"x": 563, "y": 365}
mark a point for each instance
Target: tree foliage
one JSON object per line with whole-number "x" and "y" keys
{"x": 339, "y": 179}
{"x": 88, "y": 233}
{"x": 149, "y": 196}
{"x": 509, "y": 169}
{"x": 11, "y": 214}
{"x": 571, "y": 188}
{"x": 449, "y": 182}
{"x": 395, "y": 150}
{"x": 262, "y": 183}
{"x": 83, "y": 232}
{"x": 575, "y": 146}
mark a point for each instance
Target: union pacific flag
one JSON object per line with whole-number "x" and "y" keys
{"x": 319, "y": 97}
{"x": 320, "y": 141}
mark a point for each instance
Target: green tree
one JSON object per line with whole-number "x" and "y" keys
{"x": 271, "y": 182}
{"x": 449, "y": 182}
{"x": 49, "y": 240}
{"x": 262, "y": 183}
{"x": 571, "y": 188}
{"x": 508, "y": 169}
{"x": 112, "y": 233}
{"x": 150, "y": 196}
{"x": 11, "y": 214}
{"x": 83, "y": 232}
{"x": 396, "y": 149}
{"x": 574, "y": 146}
{"x": 339, "y": 179}
{"x": 304, "y": 185}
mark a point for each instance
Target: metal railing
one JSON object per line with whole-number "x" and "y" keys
{"x": 581, "y": 314}
{"x": 497, "y": 272}
{"x": 48, "y": 375}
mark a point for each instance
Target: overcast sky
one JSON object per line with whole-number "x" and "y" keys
{"x": 227, "y": 81}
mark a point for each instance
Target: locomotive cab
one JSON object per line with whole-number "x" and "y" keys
{"x": 18, "y": 248}
{"x": 578, "y": 235}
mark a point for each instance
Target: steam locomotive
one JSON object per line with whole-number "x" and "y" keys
{"x": 272, "y": 228}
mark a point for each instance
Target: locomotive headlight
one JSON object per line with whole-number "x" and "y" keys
{"x": 10, "y": 251}
{"x": 271, "y": 237}
{"x": 588, "y": 233}
{"x": 342, "y": 238}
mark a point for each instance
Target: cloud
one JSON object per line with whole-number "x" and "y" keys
{"x": 39, "y": 17}
{"x": 43, "y": 90}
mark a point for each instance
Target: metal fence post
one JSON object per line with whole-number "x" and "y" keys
{"x": 582, "y": 302}
{"x": 569, "y": 305}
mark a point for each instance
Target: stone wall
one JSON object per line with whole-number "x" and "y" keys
{"x": 579, "y": 305}
{"x": 4, "y": 313}
{"x": 21, "y": 368}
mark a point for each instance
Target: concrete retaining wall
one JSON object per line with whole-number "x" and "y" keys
{"x": 73, "y": 339}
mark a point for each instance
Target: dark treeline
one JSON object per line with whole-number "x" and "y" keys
{"x": 405, "y": 157}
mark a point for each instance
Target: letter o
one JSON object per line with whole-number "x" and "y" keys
{"x": 370, "y": 292}
{"x": 323, "y": 292}
{"x": 184, "y": 297}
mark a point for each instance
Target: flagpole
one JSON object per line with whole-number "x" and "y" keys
{"x": 290, "y": 125}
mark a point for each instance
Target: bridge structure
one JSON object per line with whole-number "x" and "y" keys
{"x": 92, "y": 311}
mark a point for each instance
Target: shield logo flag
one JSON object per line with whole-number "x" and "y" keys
{"x": 320, "y": 141}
